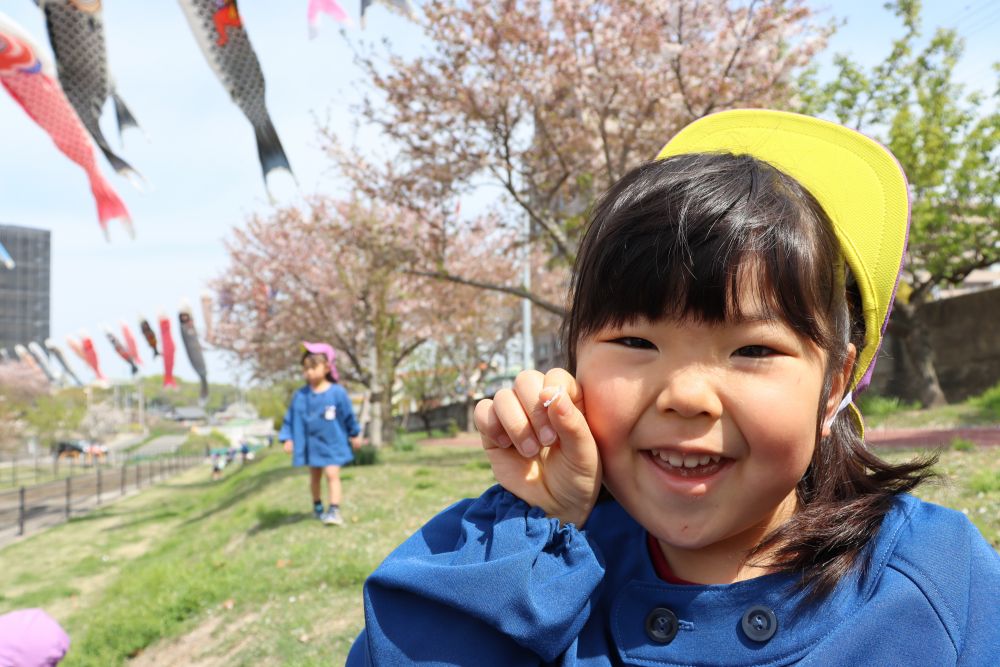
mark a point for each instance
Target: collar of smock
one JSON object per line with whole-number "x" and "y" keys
{"x": 713, "y": 615}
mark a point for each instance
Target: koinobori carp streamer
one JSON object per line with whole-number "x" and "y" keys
{"x": 189, "y": 335}
{"x": 167, "y": 339}
{"x": 76, "y": 32}
{"x": 218, "y": 29}
{"x": 29, "y": 77}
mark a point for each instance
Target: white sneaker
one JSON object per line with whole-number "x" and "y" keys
{"x": 332, "y": 518}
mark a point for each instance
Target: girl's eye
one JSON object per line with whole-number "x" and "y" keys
{"x": 634, "y": 342}
{"x": 755, "y": 351}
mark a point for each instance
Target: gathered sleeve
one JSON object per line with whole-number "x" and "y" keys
{"x": 285, "y": 433}
{"x": 489, "y": 581}
{"x": 346, "y": 415}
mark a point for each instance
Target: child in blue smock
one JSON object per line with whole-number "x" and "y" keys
{"x": 695, "y": 488}
{"x": 320, "y": 429}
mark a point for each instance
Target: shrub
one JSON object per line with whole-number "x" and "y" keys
{"x": 452, "y": 428}
{"x": 883, "y": 406}
{"x": 985, "y": 481}
{"x": 988, "y": 402}
{"x": 963, "y": 445}
{"x": 366, "y": 456}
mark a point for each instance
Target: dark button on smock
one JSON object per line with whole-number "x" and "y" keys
{"x": 759, "y": 623}
{"x": 661, "y": 625}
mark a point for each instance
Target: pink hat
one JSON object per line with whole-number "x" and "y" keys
{"x": 31, "y": 637}
{"x": 328, "y": 352}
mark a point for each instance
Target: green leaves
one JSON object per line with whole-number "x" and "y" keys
{"x": 946, "y": 140}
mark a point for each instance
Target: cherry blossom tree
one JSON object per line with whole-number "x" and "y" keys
{"x": 20, "y": 385}
{"x": 336, "y": 272}
{"x": 551, "y": 101}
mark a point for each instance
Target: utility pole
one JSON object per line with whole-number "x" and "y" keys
{"x": 376, "y": 393}
{"x": 527, "y": 346}
{"x": 142, "y": 405}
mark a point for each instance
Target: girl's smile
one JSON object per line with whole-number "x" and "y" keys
{"x": 689, "y": 472}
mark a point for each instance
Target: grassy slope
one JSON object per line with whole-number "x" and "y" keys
{"x": 242, "y": 555}
{"x": 237, "y": 573}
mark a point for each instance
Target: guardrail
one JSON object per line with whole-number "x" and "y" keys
{"x": 47, "y": 503}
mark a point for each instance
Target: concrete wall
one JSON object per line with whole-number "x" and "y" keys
{"x": 965, "y": 335}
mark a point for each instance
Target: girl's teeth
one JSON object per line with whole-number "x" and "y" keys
{"x": 678, "y": 460}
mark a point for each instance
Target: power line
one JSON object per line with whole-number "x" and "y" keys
{"x": 986, "y": 22}
{"x": 970, "y": 11}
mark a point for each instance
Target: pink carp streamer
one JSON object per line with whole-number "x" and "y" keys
{"x": 167, "y": 340}
{"x": 74, "y": 345}
{"x": 130, "y": 344}
{"x": 29, "y": 80}
{"x": 206, "y": 313}
{"x": 89, "y": 354}
{"x": 316, "y": 7}
{"x": 78, "y": 350}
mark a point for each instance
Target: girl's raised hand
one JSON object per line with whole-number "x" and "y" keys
{"x": 540, "y": 445}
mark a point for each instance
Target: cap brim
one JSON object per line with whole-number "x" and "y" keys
{"x": 856, "y": 180}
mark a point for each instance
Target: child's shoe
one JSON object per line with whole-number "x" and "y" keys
{"x": 332, "y": 517}
{"x": 318, "y": 510}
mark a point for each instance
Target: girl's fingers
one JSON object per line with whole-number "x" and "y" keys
{"x": 575, "y": 438}
{"x": 523, "y": 416}
{"x": 490, "y": 429}
{"x": 527, "y": 387}
{"x": 558, "y": 377}
{"x": 514, "y": 418}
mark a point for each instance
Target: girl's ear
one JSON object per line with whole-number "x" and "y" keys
{"x": 838, "y": 385}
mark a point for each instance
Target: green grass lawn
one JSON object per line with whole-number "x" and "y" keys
{"x": 238, "y": 573}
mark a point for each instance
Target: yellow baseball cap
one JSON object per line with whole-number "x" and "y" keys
{"x": 857, "y": 181}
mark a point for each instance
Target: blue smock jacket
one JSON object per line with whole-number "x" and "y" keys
{"x": 319, "y": 425}
{"x": 492, "y": 581}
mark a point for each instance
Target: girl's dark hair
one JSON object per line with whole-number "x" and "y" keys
{"x": 679, "y": 238}
{"x": 319, "y": 359}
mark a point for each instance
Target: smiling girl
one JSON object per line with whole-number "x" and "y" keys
{"x": 695, "y": 489}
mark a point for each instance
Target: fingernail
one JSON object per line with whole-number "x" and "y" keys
{"x": 504, "y": 441}
{"x": 547, "y": 435}
{"x": 529, "y": 447}
{"x": 552, "y": 398}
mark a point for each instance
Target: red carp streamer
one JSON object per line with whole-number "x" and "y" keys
{"x": 167, "y": 341}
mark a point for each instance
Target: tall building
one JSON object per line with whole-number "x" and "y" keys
{"x": 25, "y": 289}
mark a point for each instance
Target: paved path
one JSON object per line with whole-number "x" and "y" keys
{"x": 45, "y": 504}
{"x": 165, "y": 444}
{"x": 464, "y": 439}
{"x": 988, "y": 436}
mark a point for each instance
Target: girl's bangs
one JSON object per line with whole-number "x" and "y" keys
{"x": 711, "y": 242}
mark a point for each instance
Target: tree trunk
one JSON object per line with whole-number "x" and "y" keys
{"x": 470, "y": 415}
{"x": 425, "y": 417}
{"x": 917, "y": 346}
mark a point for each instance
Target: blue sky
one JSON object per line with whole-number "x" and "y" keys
{"x": 201, "y": 161}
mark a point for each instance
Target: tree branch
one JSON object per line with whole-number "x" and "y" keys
{"x": 506, "y": 289}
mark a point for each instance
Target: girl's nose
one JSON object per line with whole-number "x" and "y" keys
{"x": 689, "y": 392}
